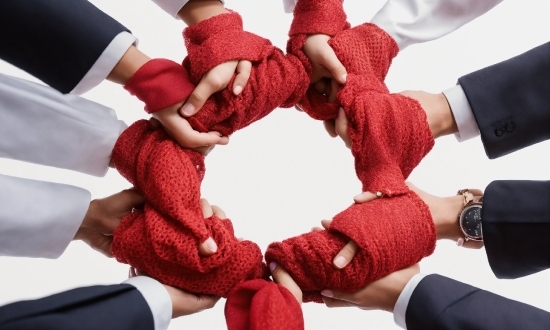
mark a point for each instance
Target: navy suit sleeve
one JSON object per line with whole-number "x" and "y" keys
{"x": 57, "y": 41}
{"x": 114, "y": 307}
{"x": 515, "y": 221}
{"x": 511, "y": 101}
{"x": 441, "y": 303}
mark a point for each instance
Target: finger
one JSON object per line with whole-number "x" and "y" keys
{"x": 334, "y": 89}
{"x": 208, "y": 247}
{"x": 154, "y": 123}
{"x": 219, "y": 212}
{"x": 326, "y": 223}
{"x": 243, "y": 73}
{"x": 206, "y": 87}
{"x": 330, "y": 127}
{"x": 341, "y": 127}
{"x": 209, "y": 150}
{"x": 133, "y": 198}
{"x": 180, "y": 130}
{"x": 345, "y": 255}
{"x": 334, "y": 303}
{"x": 330, "y": 61}
{"x": 338, "y": 295}
{"x": 316, "y": 229}
{"x": 101, "y": 243}
{"x": 283, "y": 278}
{"x": 131, "y": 272}
{"x": 207, "y": 211}
{"x": 364, "y": 197}
{"x": 320, "y": 86}
{"x": 206, "y": 301}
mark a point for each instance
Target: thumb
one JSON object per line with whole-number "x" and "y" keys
{"x": 333, "y": 65}
{"x": 364, "y": 197}
{"x": 197, "y": 99}
{"x": 133, "y": 198}
{"x": 208, "y": 247}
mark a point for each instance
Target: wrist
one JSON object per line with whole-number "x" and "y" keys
{"x": 132, "y": 60}
{"x": 446, "y": 223}
{"x": 196, "y": 11}
{"x": 443, "y": 122}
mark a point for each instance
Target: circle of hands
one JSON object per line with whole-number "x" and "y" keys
{"x": 104, "y": 215}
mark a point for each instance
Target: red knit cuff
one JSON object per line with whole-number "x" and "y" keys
{"x": 160, "y": 83}
{"x": 220, "y": 39}
{"x": 318, "y": 17}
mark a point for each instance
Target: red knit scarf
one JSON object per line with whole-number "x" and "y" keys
{"x": 389, "y": 136}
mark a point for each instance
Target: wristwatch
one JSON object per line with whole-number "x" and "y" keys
{"x": 469, "y": 218}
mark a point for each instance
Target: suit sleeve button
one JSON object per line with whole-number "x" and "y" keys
{"x": 499, "y": 131}
{"x": 510, "y": 126}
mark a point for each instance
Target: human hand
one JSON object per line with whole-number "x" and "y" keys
{"x": 323, "y": 60}
{"x": 209, "y": 246}
{"x": 183, "y": 302}
{"x": 438, "y": 112}
{"x": 339, "y": 127}
{"x": 102, "y": 218}
{"x": 217, "y": 80}
{"x": 381, "y": 294}
{"x": 282, "y": 277}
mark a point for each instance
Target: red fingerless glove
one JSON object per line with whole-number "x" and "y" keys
{"x": 160, "y": 83}
{"x": 217, "y": 40}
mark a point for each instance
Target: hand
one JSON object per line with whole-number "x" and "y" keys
{"x": 209, "y": 246}
{"x": 179, "y": 129}
{"x": 281, "y": 277}
{"x": 323, "y": 60}
{"x": 102, "y": 218}
{"x": 183, "y": 302}
{"x": 339, "y": 127}
{"x": 438, "y": 112}
{"x": 381, "y": 294}
{"x": 344, "y": 257}
{"x": 217, "y": 80}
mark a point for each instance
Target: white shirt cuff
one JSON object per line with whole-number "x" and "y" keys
{"x": 39, "y": 219}
{"x": 400, "y": 309}
{"x": 463, "y": 114}
{"x": 157, "y": 298}
{"x": 106, "y": 62}
{"x": 172, "y": 7}
{"x": 289, "y": 5}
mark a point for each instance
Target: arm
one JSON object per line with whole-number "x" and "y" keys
{"x": 516, "y": 227}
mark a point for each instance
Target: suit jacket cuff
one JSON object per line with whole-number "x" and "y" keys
{"x": 39, "y": 219}
{"x": 462, "y": 113}
{"x": 157, "y": 298}
{"x": 402, "y": 303}
{"x": 106, "y": 62}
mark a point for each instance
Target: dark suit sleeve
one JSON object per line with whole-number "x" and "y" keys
{"x": 441, "y": 303}
{"x": 116, "y": 307}
{"x": 511, "y": 101}
{"x": 57, "y": 41}
{"x": 515, "y": 221}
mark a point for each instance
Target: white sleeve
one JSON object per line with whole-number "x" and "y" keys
{"x": 157, "y": 298}
{"x": 400, "y": 309}
{"x": 42, "y": 126}
{"x": 414, "y": 21}
{"x": 172, "y": 7}
{"x": 462, "y": 112}
{"x": 105, "y": 62}
{"x": 39, "y": 219}
{"x": 289, "y": 5}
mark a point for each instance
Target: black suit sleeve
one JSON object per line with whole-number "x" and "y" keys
{"x": 116, "y": 307}
{"x": 511, "y": 101}
{"x": 441, "y": 303}
{"x": 515, "y": 221}
{"x": 57, "y": 41}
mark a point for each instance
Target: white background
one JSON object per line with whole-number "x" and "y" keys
{"x": 279, "y": 177}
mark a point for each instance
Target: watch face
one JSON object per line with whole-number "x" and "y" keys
{"x": 470, "y": 221}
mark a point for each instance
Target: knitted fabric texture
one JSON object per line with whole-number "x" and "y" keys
{"x": 160, "y": 83}
{"x": 390, "y": 136}
{"x": 162, "y": 238}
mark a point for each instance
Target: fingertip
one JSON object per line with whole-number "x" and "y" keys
{"x": 327, "y": 293}
{"x": 340, "y": 262}
{"x": 237, "y": 90}
{"x": 343, "y": 78}
{"x": 187, "y": 110}
{"x": 272, "y": 266}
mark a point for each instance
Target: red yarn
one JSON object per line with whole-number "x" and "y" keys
{"x": 160, "y": 83}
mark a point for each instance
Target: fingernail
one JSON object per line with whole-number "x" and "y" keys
{"x": 343, "y": 78}
{"x": 188, "y": 109}
{"x": 357, "y": 197}
{"x": 340, "y": 262}
{"x": 460, "y": 242}
{"x": 211, "y": 245}
{"x": 272, "y": 265}
{"x": 327, "y": 293}
{"x": 237, "y": 90}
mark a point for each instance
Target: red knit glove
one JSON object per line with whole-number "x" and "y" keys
{"x": 160, "y": 83}
{"x": 262, "y": 305}
{"x": 392, "y": 233}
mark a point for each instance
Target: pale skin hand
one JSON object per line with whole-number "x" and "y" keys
{"x": 217, "y": 79}
{"x": 102, "y": 218}
{"x": 381, "y": 294}
{"x": 444, "y": 211}
{"x": 281, "y": 276}
{"x": 175, "y": 125}
{"x": 183, "y": 302}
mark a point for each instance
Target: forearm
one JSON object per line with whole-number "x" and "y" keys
{"x": 39, "y": 219}
{"x": 195, "y": 11}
